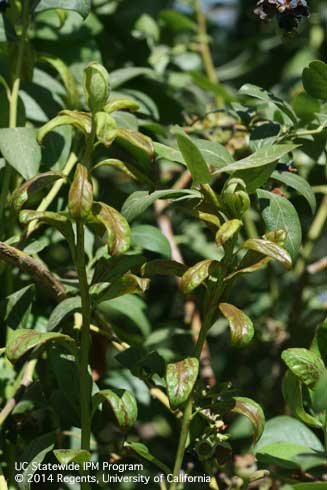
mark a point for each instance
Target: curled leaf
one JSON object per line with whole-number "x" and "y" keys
{"x": 121, "y": 105}
{"x": 136, "y": 143}
{"x": 253, "y": 411}
{"x": 106, "y": 218}
{"x": 25, "y": 191}
{"x": 180, "y": 378}
{"x": 127, "y": 284}
{"x": 79, "y": 120}
{"x": 106, "y": 128}
{"x": 123, "y": 407}
{"x": 196, "y": 275}
{"x": 270, "y": 249}
{"x": 227, "y": 231}
{"x": 96, "y": 86}
{"x": 80, "y": 197}
{"x": 241, "y": 326}
{"x": 304, "y": 364}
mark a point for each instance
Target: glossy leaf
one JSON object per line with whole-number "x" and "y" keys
{"x": 180, "y": 378}
{"x": 106, "y": 128}
{"x": 79, "y": 120}
{"x": 291, "y": 456}
{"x": 253, "y": 411}
{"x": 305, "y": 364}
{"x": 23, "y": 340}
{"x": 139, "y": 201}
{"x": 123, "y": 407}
{"x": 193, "y": 158}
{"x": 227, "y": 231}
{"x": 264, "y": 156}
{"x": 148, "y": 237}
{"x": 299, "y": 184}
{"x": 116, "y": 226}
{"x": 314, "y": 79}
{"x": 65, "y": 308}
{"x": 96, "y": 86}
{"x": 21, "y": 150}
{"x": 145, "y": 453}
{"x": 121, "y": 105}
{"x": 127, "y": 284}
{"x": 281, "y": 214}
{"x": 240, "y": 324}
{"x": 270, "y": 249}
{"x": 25, "y": 191}
{"x": 80, "y": 197}
{"x": 196, "y": 275}
{"x": 136, "y": 143}
{"x": 319, "y": 395}
{"x": 292, "y": 392}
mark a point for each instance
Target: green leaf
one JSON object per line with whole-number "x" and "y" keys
{"x": 128, "y": 284}
{"x": 292, "y": 392}
{"x": 22, "y": 340}
{"x": 35, "y": 454}
{"x": 281, "y": 214}
{"x": 7, "y": 31}
{"x": 314, "y": 79}
{"x": 176, "y": 21}
{"x": 66, "y": 456}
{"x": 80, "y": 197}
{"x": 309, "y": 486}
{"x": 25, "y": 191}
{"x": 193, "y": 158}
{"x": 123, "y": 407}
{"x": 96, "y": 86}
{"x": 240, "y": 324}
{"x": 321, "y": 340}
{"x": 15, "y": 308}
{"x": 145, "y": 453}
{"x": 21, "y": 150}
{"x": 285, "y": 429}
{"x": 197, "y": 274}
{"x": 291, "y": 456}
{"x": 319, "y": 395}
{"x": 180, "y": 378}
{"x": 163, "y": 268}
{"x": 216, "y": 89}
{"x": 305, "y": 364}
{"x": 252, "y": 410}
{"x": 82, "y": 7}
{"x": 139, "y": 201}
{"x": 264, "y": 156}
{"x": 270, "y": 249}
{"x": 138, "y": 145}
{"x": 123, "y": 75}
{"x": 269, "y": 97}
{"x": 110, "y": 268}
{"x": 148, "y": 237}
{"x": 79, "y": 120}
{"x": 305, "y": 106}
{"x": 62, "y": 310}
{"x": 299, "y": 184}
{"x": 114, "y": 223}
{"x": 67, "y": 78}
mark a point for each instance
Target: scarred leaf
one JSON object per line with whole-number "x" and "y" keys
{"x": 107, "y": 219}
{"x": 25, "y": 191}
{"x": 227, "y": 231}
{"x": 241, "y": 326}
{"x": 80, "y": 197}
{"x": 305, "y": 364}
{"x": 23, "y": 340}
{"x": 136, "y": 143}
{"x": 79, "y": 120}
{"x": 66, "y": 456}
{"x": 121, "y": 105}
{"x": 253, "y": 411}
{"x": 123, "y": 407}
{"x": 270, "y": 249}
{"x": 127, "y": 284}
{"x": 180, "y": 378}
{"x": 196, "y": 275}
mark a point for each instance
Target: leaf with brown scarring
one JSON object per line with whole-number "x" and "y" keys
{"x": 180, "y": 378}
{"x": 241, "y": 326}
{"x": 196, "y": 275}
{"x": 253, "y": 411}
{"x": 270, "y": 249}
{"x": 80, "y": 197}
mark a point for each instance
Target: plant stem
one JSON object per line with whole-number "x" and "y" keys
{"x": 85, "y": 384}
{"x": 13, "y": 101}
{"x": 204, "y": 44}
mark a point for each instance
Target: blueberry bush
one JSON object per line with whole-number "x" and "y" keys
{"x": 163, "y": 209}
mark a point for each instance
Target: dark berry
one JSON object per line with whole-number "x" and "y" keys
{"x": 288, "y": 12}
